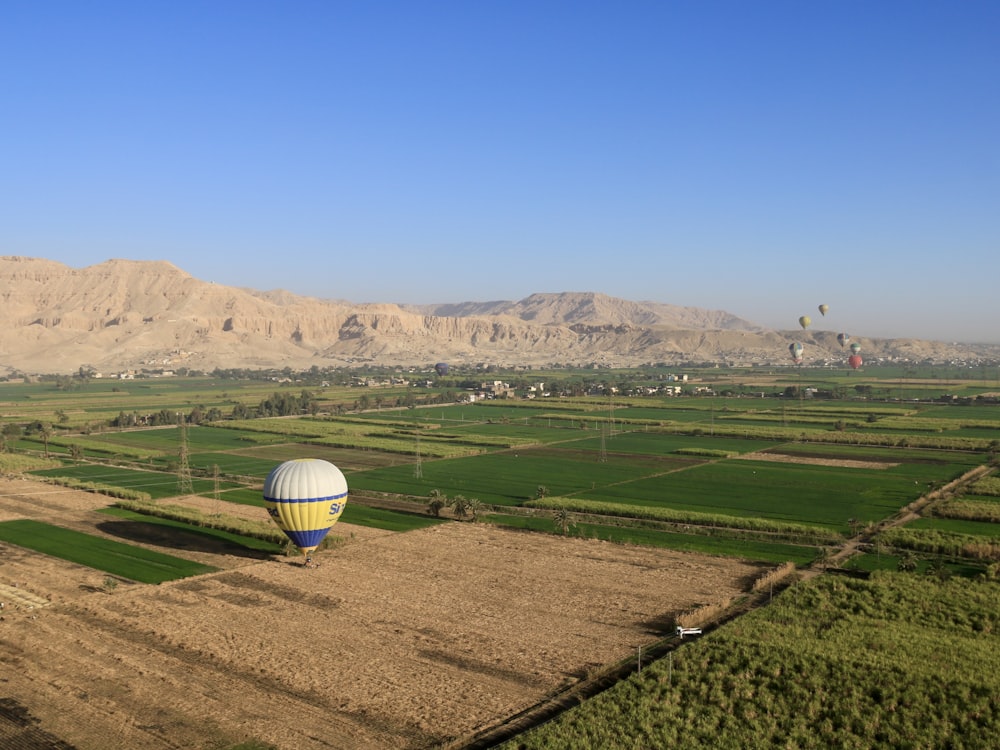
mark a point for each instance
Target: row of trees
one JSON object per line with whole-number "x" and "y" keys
{"x": 463, "y": 507}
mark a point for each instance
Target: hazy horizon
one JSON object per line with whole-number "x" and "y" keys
{"x": 755, "y": 158}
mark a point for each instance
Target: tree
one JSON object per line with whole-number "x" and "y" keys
{"x": 11, "y": 433}
{"x": 939, "y": 570}
{"x": 563, "y": 521}
{"x": 436, "y": 501}
{"x": 541, "y": 492}
{"x": 475, "y": 508}
{"x": 907, "y": 563}
{"x": 459, "y": 506}
{"x": 46, "y": 433}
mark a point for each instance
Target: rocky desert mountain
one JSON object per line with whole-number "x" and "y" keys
{"x": 150, "y": 315}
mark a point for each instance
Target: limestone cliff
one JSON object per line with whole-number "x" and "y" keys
{"x": 122, "y": 314}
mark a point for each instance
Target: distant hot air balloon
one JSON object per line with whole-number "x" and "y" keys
{"x": 823, "y": 309}
{"x": 305, "y": 497}
{"x": 441, "y": 368}
{"x": 854, "y": 361}
{"x": 842, "y": 339}
{"x": 855, "y": 348}
{"x": 805, "y": 321}
{"x": 796, "y": 351}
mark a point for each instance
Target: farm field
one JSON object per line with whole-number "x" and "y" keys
{"x": 819, "y": 464}
{"x": 117, "y": 558}
{"x": 894, "y": 661}
{"x": 656, "y": 493}
{"x": 403, "y": 640}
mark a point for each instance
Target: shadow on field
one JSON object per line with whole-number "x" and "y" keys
{"x": 191, "y": 540}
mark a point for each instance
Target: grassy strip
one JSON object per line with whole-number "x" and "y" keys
{"x": 815, "y": 534}
{"x": 115, "y": 558}
{"x": 711, "y": 453}
{"x": 882, "y": 561}
{"x": 155, "y": 484}
{"x": 986, "y": 486}
{"x": 250, "y": 542}
{"x": 264, "y": 530}
{"x": 96, "y": 487}
{"x": 390, "y": 520}
{"x": 757, "y": 551}
{"x": 15, "y": 463}
{"x": 97, "y": 445}
{"x": 969, "y": 510}
{"x": 942, "y": 542}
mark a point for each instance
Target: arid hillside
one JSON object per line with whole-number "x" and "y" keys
{"x": 121, "y": 315}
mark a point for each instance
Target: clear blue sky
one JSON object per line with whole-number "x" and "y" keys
{"x": 757, "y": 157}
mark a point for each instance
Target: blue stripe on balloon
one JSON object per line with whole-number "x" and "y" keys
{"x": 304, "y": 500}
{"x": 307, "y": 538}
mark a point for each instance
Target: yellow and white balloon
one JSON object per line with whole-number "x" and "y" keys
{"x": 305, "y": 497}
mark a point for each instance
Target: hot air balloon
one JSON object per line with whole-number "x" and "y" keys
{"x": 796, "y": 351}
{"x": 854, "y": 361}
{"x": 855, "y": 347}
{"x": 823, "y": 309}
{"x": 441, "y": 368}
{"x": 842, "y": 339}
{"x": 805, "y": 321}
{"x": 305, "y": 497}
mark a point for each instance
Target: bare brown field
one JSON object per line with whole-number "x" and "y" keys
{"x": 395, "y": 641}
{"x": 844, "y": 463}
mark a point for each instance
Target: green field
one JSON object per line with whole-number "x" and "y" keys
{"x": 749, "y": 549}
{"x": 157, "y": 484}
{"x": 115, "y": 558}
{"x": 676, "y": 453}
{"x": 895, "y": 661}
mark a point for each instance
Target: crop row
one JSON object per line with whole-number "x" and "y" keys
{"x": 941, "y": 542}
{"x": 815, "y": 534}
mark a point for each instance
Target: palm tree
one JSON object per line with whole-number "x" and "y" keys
{"x": 459, "y": 505}
{"x": 46, "y": 436}
{"x": 541, "y": 492}
{"x": 436, "y": 502}
{"x": 908, "y": 562}
{"x": 475, "y": 508}
{"x": 563, "y": 520}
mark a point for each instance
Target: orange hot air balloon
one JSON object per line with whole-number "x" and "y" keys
{"x": 855, "y": 361}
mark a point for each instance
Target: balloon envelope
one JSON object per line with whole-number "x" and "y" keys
{"x": 441, "y": 368}
{"x": 305, "y": 497}
{"x": 805, "y": 321}
{"x": 796, "y": 351}
{"x": 823, "y": 309}
{"x": 843, "y": 338}
{"x": 854, "y": 361}
{"x": 855, "y": 348}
